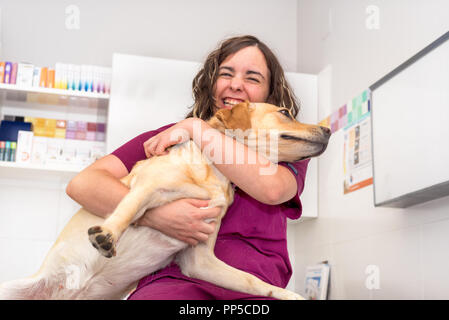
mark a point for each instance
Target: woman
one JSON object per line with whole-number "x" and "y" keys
{"x": 252, "y": 236}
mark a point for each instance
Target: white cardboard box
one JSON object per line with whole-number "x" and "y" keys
{"x": 39, "y": 153}
{"x": 24, "y": 146}
{"x": 25, "y": 74}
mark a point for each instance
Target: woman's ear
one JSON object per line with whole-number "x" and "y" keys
{"x": 239, "y": 117}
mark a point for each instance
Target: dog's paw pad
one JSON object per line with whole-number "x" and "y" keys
{"x": 102, "y": 240}
{"x": 94, "y": 230}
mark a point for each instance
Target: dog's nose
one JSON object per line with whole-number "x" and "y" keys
{"x": 326, "y": 131}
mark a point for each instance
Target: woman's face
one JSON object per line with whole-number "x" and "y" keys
{"x": 242, "y": 76}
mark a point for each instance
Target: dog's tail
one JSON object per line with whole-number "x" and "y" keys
{"x": 23, "y": 289}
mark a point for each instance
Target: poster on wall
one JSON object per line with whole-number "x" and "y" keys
{"x": 355, "y": 120}
{"x": 357, "y": 162}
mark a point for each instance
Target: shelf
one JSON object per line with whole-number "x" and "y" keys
{"x": 23, "y": 170}
{"x": 61, "y": 92}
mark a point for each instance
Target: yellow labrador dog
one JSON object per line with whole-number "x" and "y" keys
{"x": 123, "y": 253}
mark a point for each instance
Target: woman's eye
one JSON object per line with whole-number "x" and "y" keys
{"x": 225, "y": 75}
{"x": 254, "y": 80}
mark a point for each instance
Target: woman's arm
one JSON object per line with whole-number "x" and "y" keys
{"x": 98, "y": 188}
{"x": 275, "y": 188}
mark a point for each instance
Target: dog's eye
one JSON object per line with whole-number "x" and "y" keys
{"x": 285, "y": 113}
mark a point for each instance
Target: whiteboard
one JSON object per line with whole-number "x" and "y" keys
{"x": 410, "y": 129}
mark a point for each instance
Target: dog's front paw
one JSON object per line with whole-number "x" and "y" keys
{"x": 102, "y": 240}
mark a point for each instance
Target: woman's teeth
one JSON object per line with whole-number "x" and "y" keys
{"x": 231, "y": 102}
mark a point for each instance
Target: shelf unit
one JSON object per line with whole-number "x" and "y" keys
{"x": 32, "y": 101}
{"x": 33, "y": 196}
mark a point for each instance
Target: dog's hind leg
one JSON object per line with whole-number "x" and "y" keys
{"x": 200, "y": 263}
{"x": 132, "y": 207}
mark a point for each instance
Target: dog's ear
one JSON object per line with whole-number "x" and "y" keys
{"x": 236, "y": 118}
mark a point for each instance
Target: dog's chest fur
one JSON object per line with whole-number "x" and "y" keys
{"x": 184, "y": 173}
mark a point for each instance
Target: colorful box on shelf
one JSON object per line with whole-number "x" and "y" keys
{"x": 48, "y": 151}
{"x": 70, "y": 130}
{"x": 101, "y": 132}
{"x": 44, "y": 150}
{"x": 60, "y": 129}
{"x": 81, "y": 129}
{"x": 8, "y": 72}
{"x": 9, "y": 129}
{"x": 8, "y": 150}
{"x": 6, "y": 69}
{"x": 91, "y": 131}
{"x": 67, "y": 129}
{"x": 87, "y": 78}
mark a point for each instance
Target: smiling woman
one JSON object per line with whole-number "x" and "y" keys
{"x": 252, "y": 236}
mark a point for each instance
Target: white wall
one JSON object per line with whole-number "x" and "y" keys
{"x": 407, "y": 245}
{"x": 28, "y": 228}
{"x": 36, "y": 31}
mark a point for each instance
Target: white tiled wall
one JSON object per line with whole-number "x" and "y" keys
{"x": 32, "y": 214}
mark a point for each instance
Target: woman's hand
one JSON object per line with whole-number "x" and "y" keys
{"x": 179, "y": 133}
{"x": 182, "y": 219}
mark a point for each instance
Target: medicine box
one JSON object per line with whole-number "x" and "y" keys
{"x": 24, "y": 146}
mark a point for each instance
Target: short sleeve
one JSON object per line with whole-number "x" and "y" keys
{"x": 133, "y": 151}
{"x": 293, "y": 207}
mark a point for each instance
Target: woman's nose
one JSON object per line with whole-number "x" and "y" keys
{"x": 236, "y": 84}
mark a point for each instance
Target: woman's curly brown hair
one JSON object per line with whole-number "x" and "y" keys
{"x": 203, "y": 85}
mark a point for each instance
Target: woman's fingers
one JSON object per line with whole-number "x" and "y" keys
{"x": 206, "y": 228}
{"x": 160, "y": 148}
{"x": 198, "y": 202}
{"x": 185, "y": 219}
{"x": 176, "y": 134}
{"x": 210, "y": 214}
{"x": 189, "y": 240}
{"x": 201, "y": 236}
{"x": 156, "y": 147}
{"x": 149, "y": 146}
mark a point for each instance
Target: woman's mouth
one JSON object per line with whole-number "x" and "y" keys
{"x": 230, "y": 102}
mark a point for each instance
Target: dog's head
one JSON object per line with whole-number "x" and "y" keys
{"x": 272, "y": 131}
